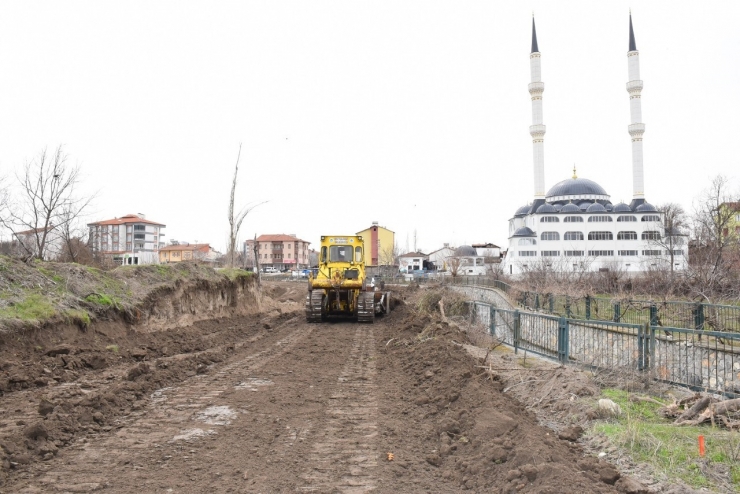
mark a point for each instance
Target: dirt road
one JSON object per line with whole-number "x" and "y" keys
{"x": 269, "y": 403}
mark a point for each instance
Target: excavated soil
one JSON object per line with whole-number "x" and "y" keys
{"x": 266, "y": 402}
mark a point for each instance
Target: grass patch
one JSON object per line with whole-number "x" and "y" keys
{"x": 235, "y": 273}
{"x": 101, "y": 299}
{"x": 673, "y": 450}
{"x": 35, "y": 307}
{"x": 112, "y": 348}
{"x": 77, "y": 316}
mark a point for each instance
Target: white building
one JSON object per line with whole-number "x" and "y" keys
{"x": 130, "y": 239}
{"x": 574, "y": 225}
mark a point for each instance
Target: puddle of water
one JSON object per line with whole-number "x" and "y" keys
{"x": 190, "y": 434}
{"x": 253, "y": 383}
{"x": 217, "y": 415}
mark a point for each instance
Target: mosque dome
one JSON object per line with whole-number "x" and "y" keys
{"x": 596, "y": 208}
{"x": 622, "y": 208}
{"x": 570, "y": 208}
{"x": 524, "y": 231}
{"x": 465, "y": 250}
{"x": 547, "y": 208}
{"x": 522, "y": 211}
{"x": 579, "y": 187}
{"x": 645, "y": 207}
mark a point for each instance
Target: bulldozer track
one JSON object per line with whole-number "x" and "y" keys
{"x": 366, "y": 307}
{"x": 313, "y": 306}
{"x": 349, "y": 437}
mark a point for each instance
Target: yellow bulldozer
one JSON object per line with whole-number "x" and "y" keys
{"x": 340, "y": 287}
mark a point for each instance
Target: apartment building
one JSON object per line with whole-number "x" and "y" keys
{"x": 186, "y": 252}
{"x": 130, "y": 239}
{"x": 280, "y": 251}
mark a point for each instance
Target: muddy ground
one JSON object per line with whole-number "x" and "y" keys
{"x": 265, "y": 402}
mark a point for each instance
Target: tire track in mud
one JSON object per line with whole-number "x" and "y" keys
{"x": 168, "y": 418}
{"x": 343, "y": 457}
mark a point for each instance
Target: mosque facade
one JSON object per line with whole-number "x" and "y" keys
{"x": 574, "y": 225}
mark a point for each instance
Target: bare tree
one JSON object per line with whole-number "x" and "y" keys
{"x": 46, "y": 204}
{"x": 236, "y": 219}
{"x": 713, "y": 263}
{"x": 672, "y": 238}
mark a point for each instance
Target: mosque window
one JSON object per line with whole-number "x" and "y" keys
{"x": 550, "y": 236}
{"x": 650, "y": 252}
{"x": 651, "y": 235}
{"x": 527, "y": 241}
{"x": 597, "y": 253}
{"x": 527, "y": 253}
{"x": 574, "y": 253}
{"x": 602, "y": 218}
{"x": 550, "y": 253}
{"x": 627, "y": 252}
{"x": 549, "y": 219}
{"x": 600, "y": 236}
{"x": 573, "y": 219}
{"x": 573, "y": 235}
{"x": 626, "y": 218}
{"x": 650, "y": 217}
{"x": 627, "y": 236}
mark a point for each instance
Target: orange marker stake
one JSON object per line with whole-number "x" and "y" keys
{"x": 701, "y": 445}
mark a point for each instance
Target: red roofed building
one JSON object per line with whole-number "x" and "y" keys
{"x": 130, "y": 239}
{"x": 280, "y": 251}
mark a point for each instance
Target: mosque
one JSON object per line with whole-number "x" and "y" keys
{"x": 575, "y": 226}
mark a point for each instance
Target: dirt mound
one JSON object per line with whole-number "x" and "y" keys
{"x": 467, "y": 428}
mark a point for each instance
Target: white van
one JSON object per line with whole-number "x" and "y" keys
{"x": 270, "y": 269}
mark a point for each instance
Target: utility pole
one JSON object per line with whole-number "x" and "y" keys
{"x": 256, "y": 261}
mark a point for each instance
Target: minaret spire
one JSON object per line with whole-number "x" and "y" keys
{"x": 537, "y": 129}
{"x": 636, "y": 127}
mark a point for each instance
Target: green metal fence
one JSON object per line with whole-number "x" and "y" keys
{"x": 671, "y": 314}
{"x": 698, "y": 359}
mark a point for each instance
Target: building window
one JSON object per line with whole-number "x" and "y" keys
{"x": 573, "y": 236}
{"x": 626, "y": 218}
{"x": 549, "y": 219}
{"x": 527, "y": 241}
{"x": 597, "y": 253}
{"x": 650, "y": 217}
{"x": 574, "y": 253}
{"x": 627, "y": 236}
{"x": 650, "y": 252}
{"x": 627, "y": 252}
{"x": 573, "y": 219}
{"x": 138, "y": 236}
{"x": 528, "y": 253}
{"x": 651, "y": 235}
{"x": 602, "y": 218}
{"x": 675, "y": 252}
{"x": 550, "y": 236}
{"x": 550, "y": 253}
{"x": 601, "y": 236}
{"x": 139, "y": 228}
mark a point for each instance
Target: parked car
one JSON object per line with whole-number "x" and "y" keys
{"x": 270, "y": 270}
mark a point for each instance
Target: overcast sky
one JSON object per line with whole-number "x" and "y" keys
{"x": 412, "y": 114}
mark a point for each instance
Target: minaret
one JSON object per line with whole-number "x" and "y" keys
{"x": 636, "y": 127}
{"x": 537, "y": 129}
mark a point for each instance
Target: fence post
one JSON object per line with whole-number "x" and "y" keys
{"x": 552, "y": 303}
{"x": 653, "y": 315}
{"x": 536, "y": 301}
{"x": 617, "y": 312}
{"x": 642, "y": 330}
{"x": 699, "y": 317}
{"x": 588, "y": 307}
{"x": 492, "y": 320}
{"x": 568, "y": 314}
{"x": 563, "y": 340}
{"x": 517, "y": 330}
